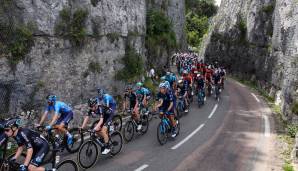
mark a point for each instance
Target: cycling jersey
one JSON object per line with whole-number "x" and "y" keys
{"x": 171, "y": 79}
{"x": 200, "y": 83}
{"x": 63, "y": 111}
{"x": 181, "y": 90}
{"x": 132, "y": 99}
{"x": 108, "y": 101}
{"x": 167, "y": 99}
{"x": 31, "y": 139}
{"x": 104, "y": 113}
{"x": 142, "y": 92}
{"x": 216, "y": 78}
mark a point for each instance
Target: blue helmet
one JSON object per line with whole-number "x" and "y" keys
{"x": 162, "y": 85}
{"x": 12, "y": 122}
{"x": 167, "y": 83}
{"x": 52, "y": 98}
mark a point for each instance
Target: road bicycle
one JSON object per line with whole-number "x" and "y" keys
{"x": 165, "y": 129}
{"x": 131, "y": 126}
{"x": 58, "y": 140}
{"x": 89, "y": 151}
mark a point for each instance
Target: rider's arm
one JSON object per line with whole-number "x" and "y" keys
{"x": 170, "y": 107}
{"x": 43, "y": 117}
{"x": 55, "y": 118}
{"x": 144, "y": 98}
{"x": 28, "y": 156}
{"x": 86, "y": 119}
{"x": 19, "y": 152}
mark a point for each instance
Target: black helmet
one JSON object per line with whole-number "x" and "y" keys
{"x": 12, "y": 122}
{"x": 92, "y": 102}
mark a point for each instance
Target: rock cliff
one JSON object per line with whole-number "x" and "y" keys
{"x": 258, "y": 40}
{"x": 54, "y": 65}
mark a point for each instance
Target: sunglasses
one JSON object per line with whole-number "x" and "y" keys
{"x": 6, "y": 130}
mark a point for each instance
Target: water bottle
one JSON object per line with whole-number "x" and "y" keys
{"x": 57, "y": 159}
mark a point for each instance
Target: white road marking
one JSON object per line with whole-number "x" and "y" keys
{"x": 142, "y": 167}
{"x": 267, "y": 126}
{"x": 213, "y": 111}
{"x": 188, "y": 137}
{"x": 255, "y": 97}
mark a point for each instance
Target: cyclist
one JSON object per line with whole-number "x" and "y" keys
{"x": 131, "y": 97}
{"x": 144, "y": 96}
{"x": 222, "y": 73}
{"x": 182, "y": 92}
{"x": 171, "y": 78}
{"x": 187, "y": 82}
{"x": 208, "y": 78}
{"x": 216, "y": 80}
{"x": 200, "y": 83}
{"x": 107, "y": 107}
{"x": 165, "y": 105}
{"x": 63, "y": 115}
{"x": 37, "y": 146}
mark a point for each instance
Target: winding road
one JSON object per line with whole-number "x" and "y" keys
{"x": 234, "y": 133}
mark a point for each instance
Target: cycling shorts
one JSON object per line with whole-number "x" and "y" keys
{"x": 39, "y": 154}
{"x": 65, "y": 118}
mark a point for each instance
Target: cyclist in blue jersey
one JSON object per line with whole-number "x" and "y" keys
{"x": 165, "y": 105}
{"x": 37, "y": 147}
{"x": 62, "y": 116}
{"x": 171, "y": 78}
{"x": 107, "y": 107}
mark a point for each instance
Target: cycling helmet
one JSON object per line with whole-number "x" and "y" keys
{"x": 163, "y": 78}
{"x": 168, "y": 73}
{"x": 162, "y": 85}
{"x": 168, "y": 86}
{"x": 139, "y": 84}
{"x": 180, "y": 81}
{"x": 198, "y": 75}
{"x": 52, "y": 98}
{"x": 184, "y": 72}
{"x": 92, "y": 102}
{"x": 128, "y": 87}
{"x": 12, "y": 123}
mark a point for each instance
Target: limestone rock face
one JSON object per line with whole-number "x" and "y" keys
{"x": 55, "y": 66}
{"x": 258, "y": 40}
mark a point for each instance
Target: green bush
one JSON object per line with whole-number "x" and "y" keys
{"x": 295, "y": 107}
{"x": 149, "y": 84}
{"x": 72, "y": 25}
{"x": 196, "y": 28}
{"x": 268, "y": 8}
{"x": 201, "y": 7}
{"x": 292, "y": 130}
{"x": 133, "y": 66}
{"x": 159, "y": 34}
{"x": 242, "y": 27}
{"x": 288, "y": 167}
{"x": 113, "y": 37}
{"x": 95, "y": 67}
{"x": 16, "y": 41}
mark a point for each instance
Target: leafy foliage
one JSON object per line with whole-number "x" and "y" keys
{"x": 133, "y": 66}
{"x": 16, "y": 41}
{"x": 201, "y": 7}
{"x": 113, "y": 36}
{"x": 242, "y": 26}
{"x": 95, "y": 67}
{"x": 159, "y": 35}
{"x": 197, "y": 19}
{"x": 295, "y": 108}
{"x": 72, "y": 25}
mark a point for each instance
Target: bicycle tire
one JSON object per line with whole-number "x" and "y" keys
{"x": 116, "y": 143}
{"x": 118, "y": 124}
{"x": 89, "y": 152}
{"x": 63, "y": 163}
{"x": 129, "y": 128}
{"x": 161, "y": 130}
{"x": 145, "y": 124}
{"x": 78, "y": 139}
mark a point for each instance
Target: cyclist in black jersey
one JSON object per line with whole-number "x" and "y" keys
{"x": 37, "y": 146}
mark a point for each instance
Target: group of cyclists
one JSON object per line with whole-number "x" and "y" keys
{"x": 193, "y": 76}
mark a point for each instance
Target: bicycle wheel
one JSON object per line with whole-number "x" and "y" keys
{"x": 69, "y": 165}
{"x": 117, "y": 122}
{"x": 117, "y": 142}
{"x": 161, "y": 134}
{"x": 129, "y": 131}
{"x": 145, "y": 124}
{"x": 88, "y": 154}
{"x": 78, "y": 140}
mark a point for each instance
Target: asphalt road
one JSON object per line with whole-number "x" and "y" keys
{"x": 232, "y": 134}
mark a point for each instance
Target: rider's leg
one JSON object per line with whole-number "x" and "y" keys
{"x": 104, "y": 134}
{"x": 38, "y": 158}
